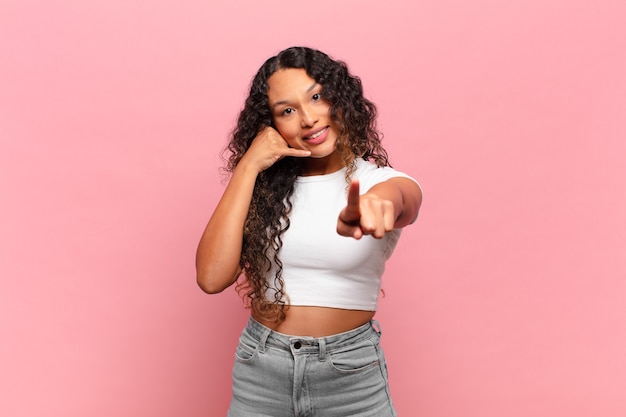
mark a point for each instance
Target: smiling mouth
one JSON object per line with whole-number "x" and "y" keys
{"x": 316, "y": 134}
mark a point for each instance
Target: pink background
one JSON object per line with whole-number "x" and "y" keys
{"x": 507, "y": 298}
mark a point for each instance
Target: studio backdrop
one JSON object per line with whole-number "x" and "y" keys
{"x": 505, "y": 298}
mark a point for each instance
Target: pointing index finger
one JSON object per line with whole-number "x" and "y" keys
{"x": 353, "y": 212}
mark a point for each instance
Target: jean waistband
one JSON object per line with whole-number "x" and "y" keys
{"x": 307, "y": 344}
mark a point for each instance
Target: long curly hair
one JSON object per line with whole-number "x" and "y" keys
{"x": 268, "y": 217}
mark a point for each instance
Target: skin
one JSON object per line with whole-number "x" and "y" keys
{"x": 299, "y": 112}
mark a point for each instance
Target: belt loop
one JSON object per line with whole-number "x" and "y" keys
{"x": 377, "y": 327}
{"x": 263, "y": 339}
{"x": 322, "y": 347}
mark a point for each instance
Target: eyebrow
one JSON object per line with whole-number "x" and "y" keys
{"x": 282, "y": 102}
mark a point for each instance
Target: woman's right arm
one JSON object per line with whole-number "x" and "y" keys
{"x": 219, "y": 250}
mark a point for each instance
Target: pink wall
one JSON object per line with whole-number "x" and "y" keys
{"x": 505, "y": 299}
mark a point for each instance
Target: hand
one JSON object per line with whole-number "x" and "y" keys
{"x": 267, "y": 148}
{"x": 365, "y": 215}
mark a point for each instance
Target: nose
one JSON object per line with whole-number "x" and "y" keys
{"x": 308, "y": 118}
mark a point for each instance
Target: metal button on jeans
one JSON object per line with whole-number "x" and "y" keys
{"x": 297, "y": 345}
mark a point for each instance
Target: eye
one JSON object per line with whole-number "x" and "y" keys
{"x": 287, "y": 111}
{"x": 316, "y": 96}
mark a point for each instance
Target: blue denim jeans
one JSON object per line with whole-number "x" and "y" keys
{"x": 276, "y": 375}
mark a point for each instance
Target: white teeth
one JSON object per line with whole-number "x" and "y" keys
{"x": 313, "y": 136}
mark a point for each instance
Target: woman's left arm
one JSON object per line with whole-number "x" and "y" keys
{"x": 386, "y": 206}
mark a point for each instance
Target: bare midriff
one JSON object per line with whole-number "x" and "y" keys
{"x": 319, "y": 321}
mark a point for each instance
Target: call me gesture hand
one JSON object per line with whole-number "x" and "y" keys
{"x": 365, "y": 214}
{"x": 268, "y": 148}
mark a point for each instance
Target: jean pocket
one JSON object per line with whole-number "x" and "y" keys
{"x": 246, "y": 349}
{"x": 357, "y": 357}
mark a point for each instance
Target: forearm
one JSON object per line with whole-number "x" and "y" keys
{"x": 405, "y": 196}
{"x": 219, "y": 250}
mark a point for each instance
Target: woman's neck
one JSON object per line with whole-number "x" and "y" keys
{"x": 322, "y": 166}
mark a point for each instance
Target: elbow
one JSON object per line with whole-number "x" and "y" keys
{"x": 210, "y": 289}
{"x": 214, "y": 283}
{"x": 208, "y": 286}
{"x": 214, "y": 277}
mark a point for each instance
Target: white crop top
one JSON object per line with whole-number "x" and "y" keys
{"x": 322, "y": 268}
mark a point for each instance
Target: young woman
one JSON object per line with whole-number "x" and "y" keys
{"x": 310, "y": 215}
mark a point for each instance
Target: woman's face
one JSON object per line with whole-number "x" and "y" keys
{"x": 302, "y": 116}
